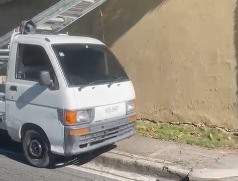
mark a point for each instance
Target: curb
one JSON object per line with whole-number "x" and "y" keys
{"x": 214, "y": 175}
{"x": 159, "y": 168}
{"x": 140, "y": 165}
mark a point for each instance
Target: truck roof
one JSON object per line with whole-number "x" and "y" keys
{"x": 59, "y": 39}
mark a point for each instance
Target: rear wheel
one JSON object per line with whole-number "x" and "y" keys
{"x": 36, "y": 149}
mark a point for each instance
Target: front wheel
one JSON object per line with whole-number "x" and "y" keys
{"x": 36, "y": 149}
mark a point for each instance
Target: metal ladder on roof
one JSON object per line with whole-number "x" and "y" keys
{"x": 58, "y": 17}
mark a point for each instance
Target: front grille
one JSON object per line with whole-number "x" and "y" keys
{"x": 99, "y": 137}
{"x": 60, "y": 115}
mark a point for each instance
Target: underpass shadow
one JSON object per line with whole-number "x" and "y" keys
{"x": 113, "y": 19}
{"x": 15, "y": 12}
{"x": 10, "y": 149}
{"x": 13, "y": 151}
{"x": 81, "y": 159}
{"x": 120, "y": 16}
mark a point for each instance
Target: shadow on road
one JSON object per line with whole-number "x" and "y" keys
{"x": 13, "y": 150}
{"x": 82, "y": 158}
{"x": 10, "y": 149}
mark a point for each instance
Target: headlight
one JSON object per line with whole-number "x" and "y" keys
{"x": 130, "y": 107}
{"x": 85, "y": 116}
{"x": 80, "y": 117}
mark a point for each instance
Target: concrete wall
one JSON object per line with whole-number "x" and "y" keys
{"x": 180, "y": 54}
{"x": 4, "y": 1}
{"x": 12, "y": 12}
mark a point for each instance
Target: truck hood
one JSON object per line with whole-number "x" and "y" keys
{"x": 107, "y": 101}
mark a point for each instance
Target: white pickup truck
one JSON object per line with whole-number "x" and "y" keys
{"x": 64, "y": 95}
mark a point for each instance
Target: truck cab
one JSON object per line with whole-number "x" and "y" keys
{"x": 64, "y": 95}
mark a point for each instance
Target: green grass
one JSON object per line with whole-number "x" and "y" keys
{"x": 205, "y": 137}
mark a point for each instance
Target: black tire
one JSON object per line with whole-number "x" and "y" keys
{"x": 36, "y": 149}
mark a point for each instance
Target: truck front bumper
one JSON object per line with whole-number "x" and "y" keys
{"x": 101, "y": 134}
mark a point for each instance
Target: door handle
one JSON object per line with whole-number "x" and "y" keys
{"x": 13, "y": 88}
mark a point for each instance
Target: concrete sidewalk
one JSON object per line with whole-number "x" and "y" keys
{"x": 173, "y": 160}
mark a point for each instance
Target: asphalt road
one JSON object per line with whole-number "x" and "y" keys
{"x": 13, "y": 167}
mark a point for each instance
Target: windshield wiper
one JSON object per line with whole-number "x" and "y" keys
{"x": 116, "y": 80}
{"x": 92, "y": 83}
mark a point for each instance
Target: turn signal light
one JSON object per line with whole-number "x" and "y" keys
{"x": 133, "y": 118}
{"x": 78, "y": 132}
{"x": 70, "y": 117}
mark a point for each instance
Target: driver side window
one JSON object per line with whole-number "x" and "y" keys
{"x": 31, "y": 60}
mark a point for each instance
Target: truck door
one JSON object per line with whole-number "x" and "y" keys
{"x": 30, "y": 102}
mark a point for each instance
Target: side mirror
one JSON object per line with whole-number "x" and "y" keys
{"x": 45, "y": 78}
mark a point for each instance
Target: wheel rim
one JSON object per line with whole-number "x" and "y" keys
{"x": 35, "y": 149}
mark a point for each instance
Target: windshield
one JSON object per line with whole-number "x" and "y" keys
{"x": 84, "y": 64}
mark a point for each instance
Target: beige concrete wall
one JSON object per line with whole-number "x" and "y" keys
{"x": 180, "y": 55}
